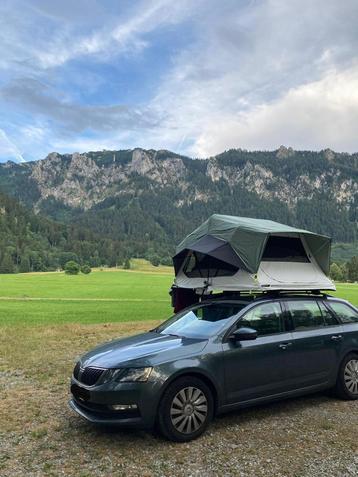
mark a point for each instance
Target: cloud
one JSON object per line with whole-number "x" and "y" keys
{"x": 196, "y": 77}
{"x": 313, "y": 116}
{"x": 9, "y": 150}
{"x": 39, "y": 99}
{"x": 61, "y": 39}
{"x": 249, "y": 63}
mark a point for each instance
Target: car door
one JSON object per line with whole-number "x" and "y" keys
{"x": 257, "y": 369}
{"x": 316, "y": 343}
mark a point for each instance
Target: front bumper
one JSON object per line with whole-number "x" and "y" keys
{"x": 106, "y": 419}
{"x": 93, "y": 403}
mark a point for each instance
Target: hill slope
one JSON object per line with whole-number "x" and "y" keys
{"x": 29, "y": 242}
{"x": 150, "y": 199}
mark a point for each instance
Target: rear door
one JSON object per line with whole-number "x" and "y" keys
{"x": 258, "y": 368}
{"x": 316, "y": 343}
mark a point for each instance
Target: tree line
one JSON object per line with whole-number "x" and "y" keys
{"x": 31, "y": 243}
{"x": 346, "y": 271}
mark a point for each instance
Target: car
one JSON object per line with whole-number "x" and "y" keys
{"x": 217, "y": 356}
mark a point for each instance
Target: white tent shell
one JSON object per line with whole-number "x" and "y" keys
{"x": 272, "y": 274}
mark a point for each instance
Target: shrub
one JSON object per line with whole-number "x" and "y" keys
{"x": 72, "y": 268}
{"x": 86, "y": 269}
{"x": 155, "y": 260}
{"x": 352, "y": 269}
{"x": 336, "y": 272}
{"x": 127, "y": 264}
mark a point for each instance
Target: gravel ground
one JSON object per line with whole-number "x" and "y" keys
{"x": 41, "y": 436}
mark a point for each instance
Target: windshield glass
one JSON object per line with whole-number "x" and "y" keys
{"x": 200, "y": 321}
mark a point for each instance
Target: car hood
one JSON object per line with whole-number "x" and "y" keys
{"x": 146, "y": 349}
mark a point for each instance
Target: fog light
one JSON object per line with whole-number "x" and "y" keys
{"x": 124, "y": 407}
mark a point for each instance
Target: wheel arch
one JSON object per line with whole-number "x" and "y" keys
{"x": 348, "y": 352}
{"x": 197, "y": 373}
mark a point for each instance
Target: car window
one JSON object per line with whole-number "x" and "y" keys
{"x": 266, "y": 319}
{"x": 344, "y": 312}
{"x": 305, "y": 314}
{"x": 202, "y": 321}
{"x": 328, "y": 316}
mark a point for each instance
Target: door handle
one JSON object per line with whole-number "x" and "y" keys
{"x": 336, "y": 338}
{"x": 284, "y": 346}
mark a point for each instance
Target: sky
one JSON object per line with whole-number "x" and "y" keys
{"x": 193, "y": 76}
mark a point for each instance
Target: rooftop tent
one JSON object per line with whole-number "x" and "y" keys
{"x": 239, "y": 253}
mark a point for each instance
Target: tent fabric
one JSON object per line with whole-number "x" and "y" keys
{"x": 213, "y": 247}
{"x": 247, "y": 237}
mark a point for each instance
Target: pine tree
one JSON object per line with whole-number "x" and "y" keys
{"x": 25, "y": 265}
{"x": 7, "y": 265}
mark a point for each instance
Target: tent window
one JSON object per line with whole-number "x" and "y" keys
{"x": 202, "y": 265}
{"x": 284, "y": 249}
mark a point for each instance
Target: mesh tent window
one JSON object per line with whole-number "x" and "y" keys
{"x": 284, "y": 249}
{"x": 200, "y": 265}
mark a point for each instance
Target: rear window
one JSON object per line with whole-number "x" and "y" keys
{"x": 345, "y": 313}
{"x": 305, "y": 314}
{"x": 284, "y": 249}
{"x": 328, "y": 315}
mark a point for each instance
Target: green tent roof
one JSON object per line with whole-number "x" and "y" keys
{"x": 248, "y": 238}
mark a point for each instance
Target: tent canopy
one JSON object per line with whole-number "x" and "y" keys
{"x": 240, "y": 242}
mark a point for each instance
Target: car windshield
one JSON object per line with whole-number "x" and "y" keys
{"x": 200, "y": 321}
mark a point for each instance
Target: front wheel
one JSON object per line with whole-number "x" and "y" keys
{"x": 186, "y": 409}
{"x": 347, "y": 380}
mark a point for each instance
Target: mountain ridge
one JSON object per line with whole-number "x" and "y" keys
{"x": 149, "y": 199}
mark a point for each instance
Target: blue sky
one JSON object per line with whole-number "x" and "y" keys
{"x": 193, "y": 76}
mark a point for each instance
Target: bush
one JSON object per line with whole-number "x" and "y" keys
{"x": 127, "y": 264}
{"x": 336, "y": 272}
{"x": 352, "y": 269}
{"x": 154, "y": 260}
{"x": 86, "y": 269}
{"x": 166, "y": 261}
{"x": 72, "y": 268}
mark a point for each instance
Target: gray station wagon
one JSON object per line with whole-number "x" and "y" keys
{"x": 217, "y": 356}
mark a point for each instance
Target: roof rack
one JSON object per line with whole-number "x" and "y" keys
{"x": 297, "y": 292}
{"x": 265, "y": 293}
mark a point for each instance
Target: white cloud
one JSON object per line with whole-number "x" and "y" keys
{"x": 255, "y": 74}
{"x": 265, "y": 74}
{"x": 126, "y": 36}
{"x": 313, "y": 116}
{"x": 9, "y": 150}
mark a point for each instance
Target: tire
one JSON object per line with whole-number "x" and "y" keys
{"x": 185, "y": 410}
{"x": 347, "y": 379}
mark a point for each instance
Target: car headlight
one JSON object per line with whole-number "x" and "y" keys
{"x": 128, "y": 375}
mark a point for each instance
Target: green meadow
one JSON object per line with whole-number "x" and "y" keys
{"x": 104, "y": 296}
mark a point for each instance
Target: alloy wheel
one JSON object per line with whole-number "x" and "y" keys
{"x": 351, "y": 376}
{"x": 189, "y": 410}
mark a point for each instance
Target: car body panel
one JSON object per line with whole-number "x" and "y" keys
{"x": 145, "y": 349}
{"x": 240, "y": 374}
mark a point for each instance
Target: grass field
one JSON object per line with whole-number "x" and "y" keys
{"x": 48, "y": 320}
{"x": 101, "y": 297}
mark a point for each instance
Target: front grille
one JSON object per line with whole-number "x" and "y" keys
{"x": 90, "y": 376}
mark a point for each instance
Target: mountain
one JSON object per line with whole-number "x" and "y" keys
{"x": 148, "y": 200}
{"x": 29, "y": 242}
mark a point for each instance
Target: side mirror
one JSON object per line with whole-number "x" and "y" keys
{"x": 243, "y": 334}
